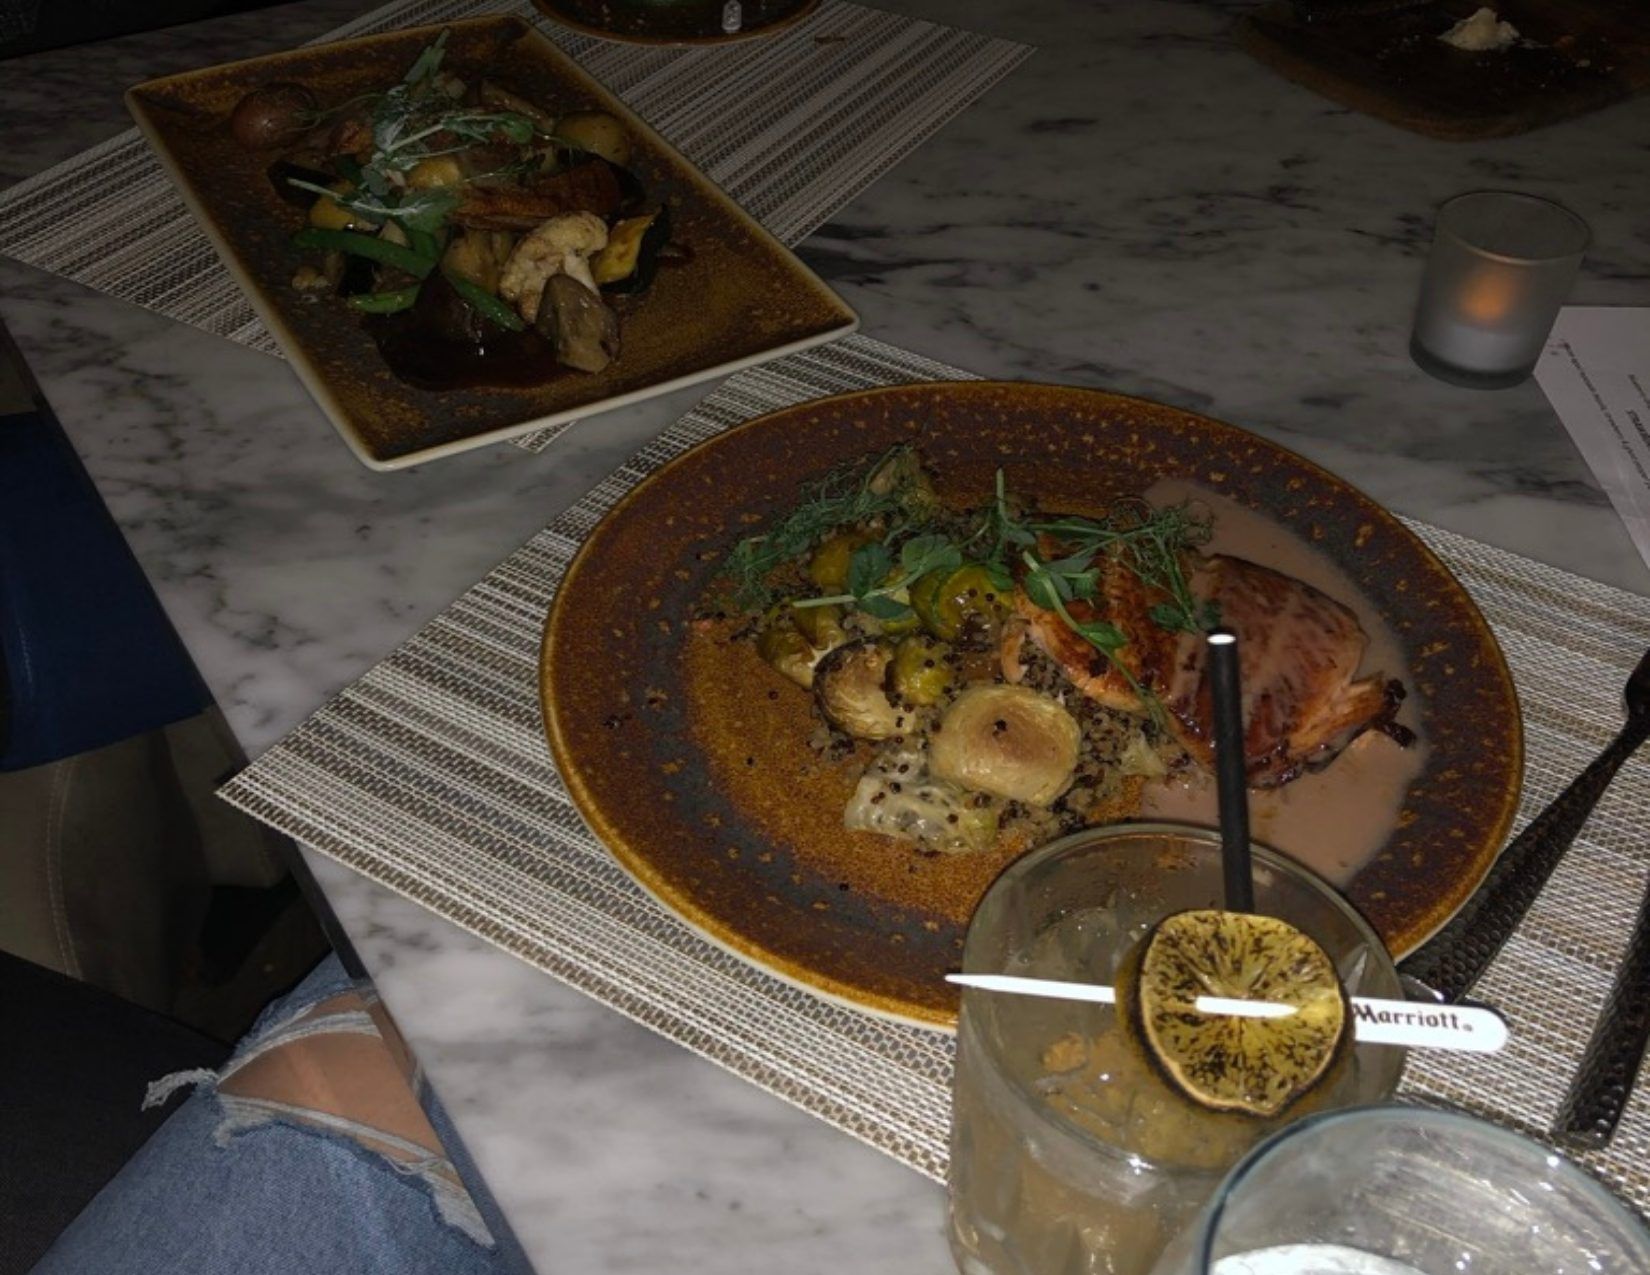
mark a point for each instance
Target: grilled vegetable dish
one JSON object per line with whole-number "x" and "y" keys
{"x": 1004, "y": 675}
{"x": 484, "y": 239}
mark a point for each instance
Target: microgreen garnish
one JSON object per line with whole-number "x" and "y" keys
{"x": 1059, "y": 562}
{"x": 424, "y": 210}
{"x": 876, "y": 587}
{"x": 426, "y": 63}
{"x": 1153, "y": 544}
{"x": 846, "y": 497}
{"x": 414, "y": 121}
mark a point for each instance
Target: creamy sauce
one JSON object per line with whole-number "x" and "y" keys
{"x": 1336, "y": 819}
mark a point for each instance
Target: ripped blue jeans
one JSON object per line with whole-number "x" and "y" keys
{"x": 233, "y": 1185}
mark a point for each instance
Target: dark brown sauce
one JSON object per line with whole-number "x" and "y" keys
{"x": 424, "y": 355}
{"x": 425, "y": 358}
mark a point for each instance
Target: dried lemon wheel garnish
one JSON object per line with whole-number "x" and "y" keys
{"x": 1256, "y": 1066}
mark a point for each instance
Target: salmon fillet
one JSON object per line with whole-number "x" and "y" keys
{"x": 1300, "y": 650}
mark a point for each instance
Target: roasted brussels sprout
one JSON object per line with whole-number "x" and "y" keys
{"x": 1009, "y": 741}
{"x": 849, "y": 685}
{"x": 903, "y": 473}
{"x": 897, "y": 627}
{"x": 796, "y": 639}
{"x": 968, "y": 606}
{"x": 822, "y": 626}
{"x": 828, "y": 568}
{"x": 921, "y": 672}
{"x": 923, "y": 593}
{"x": 782, "y": 646}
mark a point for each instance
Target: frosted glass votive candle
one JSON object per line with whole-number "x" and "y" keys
{"x": 1501, "y": 265}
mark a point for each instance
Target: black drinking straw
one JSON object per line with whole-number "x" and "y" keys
{"x": 1230, "y": 777}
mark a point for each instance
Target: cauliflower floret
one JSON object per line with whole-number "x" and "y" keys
{"x": 562, "y": 245}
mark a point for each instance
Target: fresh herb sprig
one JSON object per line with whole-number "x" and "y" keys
{"x": 1053, "y": 584}
{"x": 1153, "y": 543}
{"x": 876, "y": 587}
{"x": 425, "y": 210}
{"x": 412, "y": 122}
{"x": 846, "y": 497}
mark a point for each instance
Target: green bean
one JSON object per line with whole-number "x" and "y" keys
{"x": 380, "y": 250}
{"x": 485, "y": 303}
{"x": 424, "y": 244}
{"x": 385, "y": 302}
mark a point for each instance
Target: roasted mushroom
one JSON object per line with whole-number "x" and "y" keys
{"x": 1009, "y": 741}
{"x": 849, "y": 685}
{"x": 577, "y": 320}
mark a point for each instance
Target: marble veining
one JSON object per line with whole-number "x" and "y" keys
{"x": 1139, "y": 207}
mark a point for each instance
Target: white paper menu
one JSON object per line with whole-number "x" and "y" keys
{"x": 1595, "y": 372}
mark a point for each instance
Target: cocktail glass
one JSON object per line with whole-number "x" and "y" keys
{"x": 1395, "y": 1190}
{"x": 1069, "y": 1156}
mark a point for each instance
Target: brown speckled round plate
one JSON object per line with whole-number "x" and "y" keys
{"x": 676, "y": 21}
{"x": 688, "y": 758}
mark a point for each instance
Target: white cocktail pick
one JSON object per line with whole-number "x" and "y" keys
{"x": 1415, "y": 1024}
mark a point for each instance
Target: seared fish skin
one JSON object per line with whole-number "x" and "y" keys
{"x": 1300, "y": 651}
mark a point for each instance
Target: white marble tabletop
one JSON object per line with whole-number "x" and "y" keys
{"x": 1140, "y": 207}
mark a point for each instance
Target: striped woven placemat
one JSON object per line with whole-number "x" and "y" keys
{"x": 792, "y": 126}
{"x": 431, "y": 775}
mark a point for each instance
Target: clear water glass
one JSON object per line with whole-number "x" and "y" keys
{"x": 1393, "y": 1190}
{"x": 1068, "y": 1154}
{"x": 1501, "y": 265}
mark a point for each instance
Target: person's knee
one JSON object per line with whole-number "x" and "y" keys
{"x": 332, "y": 1068}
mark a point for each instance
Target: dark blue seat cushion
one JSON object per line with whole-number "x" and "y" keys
{"x": 87, "y": 655}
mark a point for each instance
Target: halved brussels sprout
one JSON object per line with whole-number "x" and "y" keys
{"x": 921, "y": 673}
{"x": 1009, "y": 741}
{"x": 828, "y": 568}
{"x": 903, "y": 473}
{"x": 849, "y": 685}
{"x": 965, "y": 606}
{"x": 782, "y": 646}
{"x": 923, "y": 593}
{"x": 822, "y": 626}
{"x": 796, "y": 639}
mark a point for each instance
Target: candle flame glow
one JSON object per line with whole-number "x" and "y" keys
{"x": 1489, "y": 297}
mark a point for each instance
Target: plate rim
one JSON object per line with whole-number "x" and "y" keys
{"x": 892, "y": 1008}
{"x": 549, "y": 10}
{"x": 296, "y": 354}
